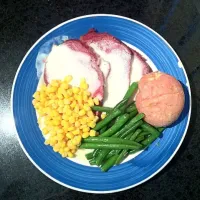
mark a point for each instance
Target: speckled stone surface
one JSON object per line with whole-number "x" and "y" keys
{"x": 23, "y": 22}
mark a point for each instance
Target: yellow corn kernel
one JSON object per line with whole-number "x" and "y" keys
{"x": 60, "y": 96}
{"x": 60, "y": 109}
{"x": 103, "y": 115}
{"x": 92, "y": 124}
{"x": 72, "y": 119}
{"x": 52, "y": 133}
{"x": 47, "y": 142}
{"x": 71, "y": 128}
{"x": 45, "y": 131}
{"x": 52, "y": 141}
{"x": 73, "y": 104}
{"x": 62, "y": 143}
{"x": 75, "y": 90}
{"x": 55, "y": 83}
{"x": 87, "y": 93}
{"x": 60, "y": 136}
{"x": 90, "y": 114}
{"x": 69, "y": 92}
{"x": 61, "y": 103}
{"x": 56, "y": 122}
{"x": 67, "y": 101}
{"x": 92, "y": 133}
{"x": 68, "y": 112}
{"x": 74, "y": 141}
{"x": 69, "y": 135}
{"x": 90, "y": 102}
{"x": 66, "y": 149}
{"x": 56, "y": 149}
{"x": 86, "y": 129}
{"x": 65, "y": 118}
{"x": 86, "y": 108}
{"x": 64, "y": 86}
{"x": 43, "y": 88}
{"x": 76, "y": 109}
{"x": 34, "y": 102}
{"x": 68, "y": 78}
{"x": 61, "y": 151}
{"x": 70, "y": 154}
{"x": 60, "y": 131}
{"x": 78, "y": 139}
{"x": 96, "y": 101}
{"x": 73, "y": 151}
{"x": 85, "y": 98}
{"x": 36, "y": 95}
{"x": 77, "y": 124}
{"x": 52, "y": 89}
{"x": 82, "y": 112}
{"x": 85, "y": 135}
{"x": 76, "y": 132}
{"x": 96, "y": 118}
{"x": 71, "y": 145}
{"x": 64, "y": 154}
{"x": 83, "y": 121}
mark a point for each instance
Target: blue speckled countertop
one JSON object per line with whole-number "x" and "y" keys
{"x": 23, "y": 22}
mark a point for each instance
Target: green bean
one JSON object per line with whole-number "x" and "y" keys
{"x": 144, "y": 133}
{"x": 111, "y": 153}
{"x": 101, "y": 109}
{"x": 148, "y": 128}
{"x": 135, "y": 134}
{"x": 133, "y": 114}
{"x": 160, "y": 129}
{"x": 96, "y": 152}
{"x": 108, "y": 146}
{"x": 89, "y": 155}
{"x": 113, "y": 129}
{"x": 139, "y": 138}
{"x": 124, "y": 153}
{"x": 133, "y": 151}
{"x": 121, "y": 156}
{"x": 154, "y": 134}
{"x": 132, "y": 88}
{"x": 132, "y": 129}
{"x": 109, "y": 163}
{"x": 121, "y": 104}
{"x": 92, "y": 161}
{"x": 99, "y": 159}
{"x": 108, "y": 119}
{"x": 103, "y": 129}
{"x": 110, "y": 140}
{"x": 131, "y": 108}
{"x": 130, "y": 124}
{"x": 106, "y": 154}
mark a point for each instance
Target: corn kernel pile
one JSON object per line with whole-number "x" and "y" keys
{"x": 65, "y": 114}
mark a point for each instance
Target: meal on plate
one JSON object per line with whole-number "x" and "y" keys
{"x": 100, "y": 94}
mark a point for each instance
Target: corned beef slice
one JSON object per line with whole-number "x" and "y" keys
{"x": 74, "y": 58}
{"x": 119, "y": 57}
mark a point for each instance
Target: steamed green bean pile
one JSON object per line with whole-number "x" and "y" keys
{"x": 121, "y": 133}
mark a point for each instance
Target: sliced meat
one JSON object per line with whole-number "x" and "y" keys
{"x": 74, "y": 58}
{"x": 105, "y": 68}
{"x": 139, "y": 67}
{"x": 119, "y": 56}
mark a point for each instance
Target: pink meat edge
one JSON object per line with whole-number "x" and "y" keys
{"x": 145, "y": 67}
{"x": 92, "y": 36}
{"x": 77, "y": 45}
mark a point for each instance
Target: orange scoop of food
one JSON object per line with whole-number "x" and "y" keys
{"x": 161, "y": 98}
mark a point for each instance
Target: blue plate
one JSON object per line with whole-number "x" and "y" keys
{"x": 85, "y": 178}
